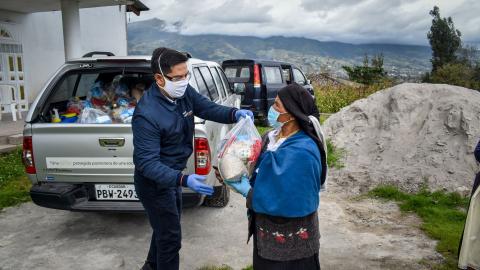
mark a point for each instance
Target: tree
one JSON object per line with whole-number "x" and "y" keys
{"x": 444, "y": 39}
{"x": 371, "y": 72}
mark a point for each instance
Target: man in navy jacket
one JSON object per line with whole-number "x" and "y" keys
{"x": 162, "y": 136}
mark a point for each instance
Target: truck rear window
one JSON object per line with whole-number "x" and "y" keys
{"x": 273, "y": 75}
{"x": 238, "y": 72}
{"x": 95, "y": 97}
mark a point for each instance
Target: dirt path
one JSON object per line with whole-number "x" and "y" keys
{"x": 368, "y": 234}
{"x": 355, "y": 235}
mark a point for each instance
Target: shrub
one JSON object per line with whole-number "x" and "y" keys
{"x": 456, "y": 74}
{"x": 331, "y": 98}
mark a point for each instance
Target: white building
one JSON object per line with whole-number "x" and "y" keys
{"x": 37, "y": 36}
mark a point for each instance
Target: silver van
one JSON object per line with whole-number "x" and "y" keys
{"x": 89, "y": 167}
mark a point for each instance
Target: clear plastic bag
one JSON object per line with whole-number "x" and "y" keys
{"x": 123, "y": 114}
{"x": 94, "y": 116}
{"x": 239, "y": 150}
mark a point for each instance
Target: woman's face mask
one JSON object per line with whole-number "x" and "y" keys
{"x": 273, "y": 118}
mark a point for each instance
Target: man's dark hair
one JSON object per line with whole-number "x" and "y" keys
{"x": 169, "y": 59}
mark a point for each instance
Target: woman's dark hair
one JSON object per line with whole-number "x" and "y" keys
{"x": 299, "y": 103}
{"x": 169, "y": 58}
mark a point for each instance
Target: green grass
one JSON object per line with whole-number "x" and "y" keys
{"x": 14, "y": 185}
{"x": 223, "y": 267}
{"x": 323, "y": 118}
{"x": 443, "y": 215}
{"x": 334, "y": 155}
{"x": 262, "y": 130}
{"x": 11, "y": 166}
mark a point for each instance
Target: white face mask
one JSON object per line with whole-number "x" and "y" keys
{"x": 175, "y": 89}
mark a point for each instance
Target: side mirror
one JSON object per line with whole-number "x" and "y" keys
{"x": 309, "y": 82}
{"x": 239, "y": 88}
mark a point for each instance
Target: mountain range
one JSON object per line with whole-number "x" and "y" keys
{"x": 405, "y": 61}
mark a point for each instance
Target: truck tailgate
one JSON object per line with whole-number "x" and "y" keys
{"x": 83, "y": 153}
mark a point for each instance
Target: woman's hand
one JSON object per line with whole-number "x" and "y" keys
{"x": 242, "y": 187}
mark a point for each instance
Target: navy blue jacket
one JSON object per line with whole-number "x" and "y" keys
{"x": 163, "y": 133}
{"x": 477, "y": 152}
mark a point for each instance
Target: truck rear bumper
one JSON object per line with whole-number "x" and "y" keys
{"x": 78, "y": 197}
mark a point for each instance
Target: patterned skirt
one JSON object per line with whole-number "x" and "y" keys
{"x": 286, "y": 243}
{"x": 259, "y": 263}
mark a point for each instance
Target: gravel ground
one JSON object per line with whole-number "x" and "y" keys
{"x": 356, "y": 234}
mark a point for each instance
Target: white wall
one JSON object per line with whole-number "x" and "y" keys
{"x": 102, "y": 29}
{"x": 42, "y": 49}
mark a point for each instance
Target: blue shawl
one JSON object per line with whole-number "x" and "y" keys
{"x": 287, "y": 183}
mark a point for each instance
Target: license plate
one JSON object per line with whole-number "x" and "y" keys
{"x": 118, "y": 192}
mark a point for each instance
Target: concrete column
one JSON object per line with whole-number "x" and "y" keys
{"x": 71, "y": 29}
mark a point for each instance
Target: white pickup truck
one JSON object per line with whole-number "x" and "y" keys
{"x": 89, "y": 167}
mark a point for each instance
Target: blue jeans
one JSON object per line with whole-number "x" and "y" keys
{"x": 163, "y": 208}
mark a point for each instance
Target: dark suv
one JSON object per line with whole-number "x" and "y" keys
{"x": 258, "y": 81}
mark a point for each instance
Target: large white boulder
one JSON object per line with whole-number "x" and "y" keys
{"x": 408, "y": 135}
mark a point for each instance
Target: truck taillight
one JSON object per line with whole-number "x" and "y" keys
{"x": 256, "y": 76}
{"x": 27, "y": 155}
{"x": 202, "y": 156}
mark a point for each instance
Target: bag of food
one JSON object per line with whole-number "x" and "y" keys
{"x": 239, "y": 150}
{"x": 123, "y": 114}
{"x": 74, "y": 105}
{"x": 94, "y": 116}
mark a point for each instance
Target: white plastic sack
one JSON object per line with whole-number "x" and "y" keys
{"x": 94, "y": 116}
{"x": 239, "y": 150}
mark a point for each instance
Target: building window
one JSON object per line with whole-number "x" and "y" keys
{"x": 11, "y": 66}
{"x": 19, "y": 63}
{"x": 22, "y": 92}
{"x": 5, "y": 34}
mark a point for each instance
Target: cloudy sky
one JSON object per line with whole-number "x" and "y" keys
{"x": 354, "y": 21}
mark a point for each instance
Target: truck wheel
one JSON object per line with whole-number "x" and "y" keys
{"x": 220, "y": 197}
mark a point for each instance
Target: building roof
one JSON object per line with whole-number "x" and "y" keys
{"x": 28, "y": 6}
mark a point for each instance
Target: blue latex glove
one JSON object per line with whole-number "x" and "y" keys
{"x": 196, "y": 183}
{"x": 243, "y": 113}
{"x": 242, "y": 187}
